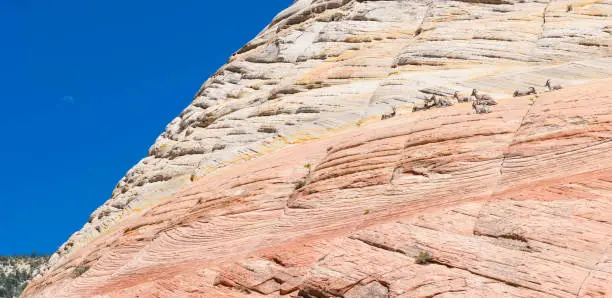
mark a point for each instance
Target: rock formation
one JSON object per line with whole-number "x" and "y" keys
{"x": 280, "y": 178}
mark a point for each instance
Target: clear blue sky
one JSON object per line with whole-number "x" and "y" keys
{"x": 86, "y": 87}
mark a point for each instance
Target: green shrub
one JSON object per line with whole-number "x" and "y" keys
{"x": 300, "y": 184}
{"x": 423, "y": 258}
{"x": 14, "y": 280}
{"x": 79, "y": 270}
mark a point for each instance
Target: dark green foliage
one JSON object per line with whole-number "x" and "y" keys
{"x": 14, "y": 280}
{"x": 300, "y": 184}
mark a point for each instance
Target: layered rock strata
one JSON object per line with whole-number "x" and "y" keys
{"x": 517, "y": 202}
{"x": 320, "y": 75}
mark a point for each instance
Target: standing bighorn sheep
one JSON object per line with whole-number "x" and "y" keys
{"x": 523, "y": 92}
{"x": 552, "y": 87}
{"x": 390, "y": 115}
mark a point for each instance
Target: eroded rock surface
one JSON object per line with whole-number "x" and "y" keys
{"x": 219, "y": 185}
{"x": 515, "y": 203}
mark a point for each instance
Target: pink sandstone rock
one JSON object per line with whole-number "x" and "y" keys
{"x": 324, "y": 66}
{"x": 515, "y": 203}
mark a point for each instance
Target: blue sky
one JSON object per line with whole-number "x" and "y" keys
{"x": 86, "y": 87}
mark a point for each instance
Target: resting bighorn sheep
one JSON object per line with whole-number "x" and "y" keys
{"x": 479, "y": 109}
{"x": 523, "y": 92}
{"x": 438, "y": 102}
{"x": 463, "y": 98}
{"x": 552, "y": 87}
{"x": 488, "y": 102}
{"x": 431, "y": 102}
{"x": 483, "y": 99}
{"x": 390, "y": 115}
{"x": 443, "y": 102}
{"x": 419, "y": 108}
{"x": 481, "y": 96}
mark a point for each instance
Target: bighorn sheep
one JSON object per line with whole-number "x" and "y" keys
{"x": 463, "y": 98}
{"x": 481, "y": 96}
{"x": 488, "y": 102}
{"x": 552, "y": 87}
{"x": 390, "y": 115}
{"x": 523, "y": 92}
{"x": 479, "y": 109}
{"x": 431, "y": 102}
{"x": 419, "y": 108}
{"x": 483, "y": 99}
{"x": 443, "y": 102}
{"x": 438, "y": 102}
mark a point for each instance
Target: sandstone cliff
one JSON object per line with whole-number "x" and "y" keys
{"x": 281, "y": 179}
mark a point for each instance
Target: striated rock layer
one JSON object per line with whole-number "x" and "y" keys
{"x": 513, "y": 203}
{"x": 280, "y": 179}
